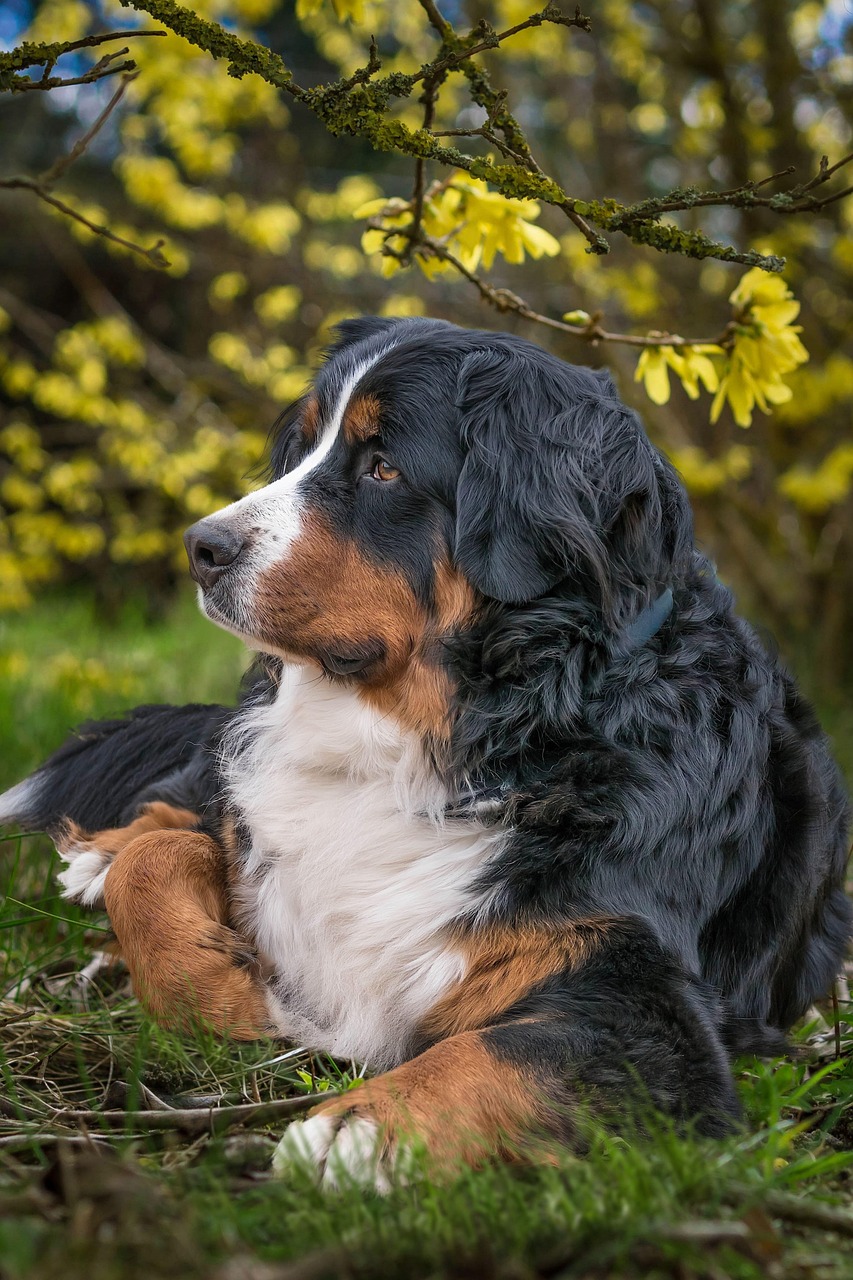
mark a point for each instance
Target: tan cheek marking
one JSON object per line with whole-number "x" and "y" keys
{"x": 327, "y": 591}
{"x": 167, "y": 902}
{"x": 457, "y": 1099}
{"x": 361, "y": 421}
{"x": 503, "y": 965}
{"x": 456, "y": 599}
{"x": 420, "y": 696}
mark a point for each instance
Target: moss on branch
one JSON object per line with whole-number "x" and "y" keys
{"x": 361, "y": 106}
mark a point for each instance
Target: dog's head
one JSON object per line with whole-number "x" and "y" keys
{"x": 430, "y": 470}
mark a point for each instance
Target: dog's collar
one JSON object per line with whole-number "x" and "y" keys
{"x": 648, "y": 623}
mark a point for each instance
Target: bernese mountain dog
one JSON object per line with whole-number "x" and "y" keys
{"x": 515, "y": 809}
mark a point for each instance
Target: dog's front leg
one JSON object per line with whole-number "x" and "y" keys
{"x": 548, "y": 1024}
{"x": 166, "y": 896}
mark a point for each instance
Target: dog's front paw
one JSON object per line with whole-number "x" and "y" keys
{"x": 83, "y": 879}
{"x": 338, "y": 1151}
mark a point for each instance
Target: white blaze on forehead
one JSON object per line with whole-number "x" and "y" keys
{"x": 274, "y": 510}
{"x": 332, "y": 429}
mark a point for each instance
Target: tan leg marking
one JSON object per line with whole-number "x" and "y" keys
{"x": 154, "y": 817}
{"x": 503, "y": 965}
{"x": 166, "y": 897}
{"x": 457, "y": 1101}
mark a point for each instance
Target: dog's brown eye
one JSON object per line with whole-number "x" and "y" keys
{"x": 383, "y": 470}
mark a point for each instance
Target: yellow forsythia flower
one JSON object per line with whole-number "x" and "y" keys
{"x": 825, "y": 486}
{"x": 690, "y": 364}
{"x": 653, "y": 369}
{"x": 473, "y": 222}
{"x": 696, "y": 367}
{"x": 227, "y": 286}
{"x": 278, "y": 304}
{"x": 765, "y": 347}
{"x": 344, "y": 9}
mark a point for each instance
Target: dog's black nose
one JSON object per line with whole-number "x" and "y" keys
{"x": 211, "y": 548}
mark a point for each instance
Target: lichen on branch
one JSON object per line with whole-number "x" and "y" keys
{"x": 362, "y": 105}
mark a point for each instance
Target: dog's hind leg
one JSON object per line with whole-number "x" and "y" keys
{"x": 90, "y": 854}
{"x": 166, "y": 896}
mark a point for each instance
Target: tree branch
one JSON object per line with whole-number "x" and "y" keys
{"x": 31, "y": 54}
{"x": 153, "y": 254}
{"x": 504, "y": 300}
{"x": 56, "y": 171}
{"x": 361, "y": 109}
{"x": 491, "y": 39}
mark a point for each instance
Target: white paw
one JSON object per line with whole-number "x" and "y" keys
{"x": 83, "y": 879}
{"x": 339, "y": 1153}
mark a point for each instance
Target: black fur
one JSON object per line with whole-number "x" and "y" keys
{"x": 631, "y": 1022}
{"x": 107, "y": 769}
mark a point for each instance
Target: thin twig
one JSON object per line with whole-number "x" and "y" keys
{"x": 31, "y": 54}
{"x": 503, "y": 300}
{"x": 436, "y": 17}
{"x": 23, "y": 1141}
{"x": 428, "y": 98}
{"x": 806, "y": 1213}
{"x": 796, "y": 200}
{"x": 152, "y": 254}
{"x": 55, "y": 172}
{"x": 100, "y": 71}
{"x": 42, "y": 187}
{"x": 494, "y": 39}
{"x": 192, "y": 1120}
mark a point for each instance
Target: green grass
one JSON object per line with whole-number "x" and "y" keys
{"x": 85, "y": 1200}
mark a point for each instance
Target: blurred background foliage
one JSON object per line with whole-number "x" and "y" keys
{"x": 136, "y": 398}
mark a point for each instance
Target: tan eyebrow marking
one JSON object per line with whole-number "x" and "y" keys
{"x": 361, "y": 420}
{"x": 311, "y": 419}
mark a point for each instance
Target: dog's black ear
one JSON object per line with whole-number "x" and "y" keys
{"x": 348, "y": 332}
{"x": 282, "y": 441}
{"x": 559, "y": 481}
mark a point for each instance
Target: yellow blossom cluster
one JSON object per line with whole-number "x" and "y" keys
{"x": 154, "y": 183}
{"x": 467, "y": 219}
{"x": 705, "y": 475}
{"x": 691, "y": 365}
{"x": 816, "y": 490}
{"x": 75, "y": 503}
{"x": 344, "y": 10}
{"x": 761, "y": 348}
{"x": 765, "y": 347}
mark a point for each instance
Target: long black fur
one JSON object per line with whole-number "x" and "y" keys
{"x": 686, "y": 783}
{"x": 107, "y": 769}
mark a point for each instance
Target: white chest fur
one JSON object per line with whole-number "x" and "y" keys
{"x": 353, "y": 873}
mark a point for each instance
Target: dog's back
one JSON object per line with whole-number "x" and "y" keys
{"x": 106, "y": 769}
